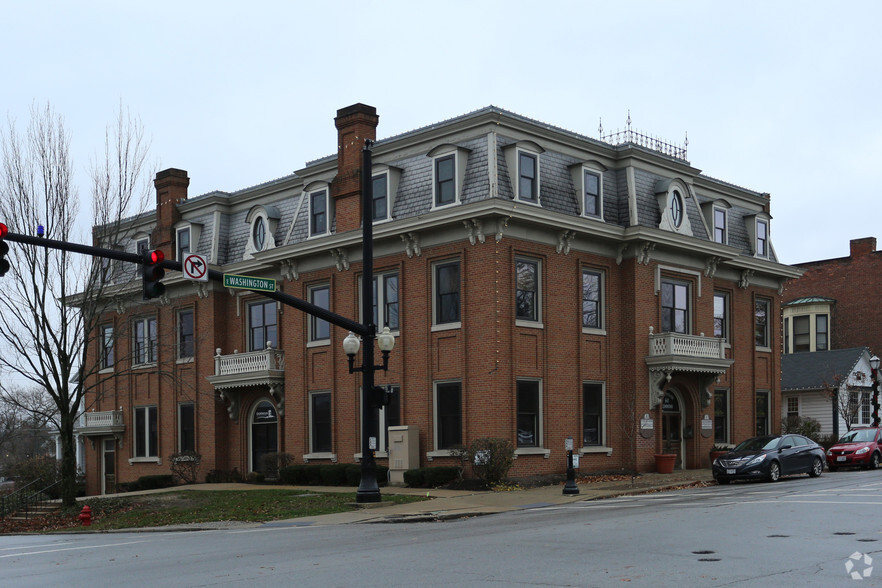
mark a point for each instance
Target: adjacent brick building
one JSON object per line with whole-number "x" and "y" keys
{"x": 540, "y": 284}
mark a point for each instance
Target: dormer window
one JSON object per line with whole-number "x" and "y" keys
{"x": 720, "y": 225}
{"x": 263, "y": 220}
{"x": 445, "y": 180}
{"x": 762, "y": 238}
{"x": 448, "y": 173}
{"x": 592, "y": 193}
{"x": 318, "y": 213}
{"x": 182, "y": 239}
{"x": 676, "y": 206}
{"x": 380, "y": 191}
{"x": 528, "y": 177}
{"x": 588, "y": 182}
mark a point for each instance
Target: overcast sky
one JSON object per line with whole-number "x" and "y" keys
{"x": 778, "y": 97}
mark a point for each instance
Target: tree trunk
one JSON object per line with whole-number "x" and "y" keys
{"x": 68, "y": 461}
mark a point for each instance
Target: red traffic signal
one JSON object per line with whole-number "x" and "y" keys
{"x": 152, "y": 274}
{"x": 3, "y": 231}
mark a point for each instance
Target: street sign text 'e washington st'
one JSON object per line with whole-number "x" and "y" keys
{"x": 249, "y": 283}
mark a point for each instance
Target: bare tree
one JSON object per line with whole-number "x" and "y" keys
{"x": 847, "y": 399}
{"x": 55, "y": 299}
{"x": 24, "y": 428}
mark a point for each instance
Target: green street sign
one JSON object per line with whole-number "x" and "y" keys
{"x": 249, "y": 283}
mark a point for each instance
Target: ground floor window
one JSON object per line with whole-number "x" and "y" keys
{"x": 529, "y": 413}
{"x": 145, "y": 432}
{"x": 320, "y": 422}
{"x": 448, "y": 414}
{"x": 592, "y": 414}
{"x": 186, "y": 427}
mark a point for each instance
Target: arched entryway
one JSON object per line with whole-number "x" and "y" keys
{"x": 672, "y": 426}
{"x": 263, "y": 433}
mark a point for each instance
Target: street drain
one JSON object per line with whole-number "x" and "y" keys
{"x": 867, "y": 540}
{"x": 708, "y": 559}
{"x": 843, "y": 533}
{"x": 703, "y": 552}
{"x": 777, "y": 536}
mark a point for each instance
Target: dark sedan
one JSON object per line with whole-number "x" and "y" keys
{"x": 770, "y": 457}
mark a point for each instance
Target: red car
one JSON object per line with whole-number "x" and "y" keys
{"x": 858, "y": 447}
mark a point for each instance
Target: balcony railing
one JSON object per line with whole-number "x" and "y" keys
{"x": 266, "y": 360}
{"x": 101, "y": 423}
{"x": 661, "y": 344}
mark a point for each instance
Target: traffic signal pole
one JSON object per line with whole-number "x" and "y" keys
{"x": 213, "y": 275}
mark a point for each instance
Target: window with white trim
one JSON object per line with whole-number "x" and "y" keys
{"x": 319, "y": 329}
{"x": 593, "y": 202}
{"x": 527, "y": 290}
{"x": 448, "y": 415}
{"x": 318, "y": 213}
{"x": 593, "y": 418}
{"x": 380, "y": 193}
{"x": 592, "y": 299}
{"x": 529, "y": 417}
{"x": 263, "y": 325}
{"x": 106, "y": 352}
{"x": 761, "y": 322}
{"x": 445, "y": 180}
{"x": 182, "y": 242}
{"x": 145, "y": 346}
{"x": 762, "y": 238}
{"x": 721, "y": 315}
{"x": 386, "y": 298}
{"x": 720, "y": 226}
{"x": 320, "y": 422}
{"x": 186, "y": 334}
{"x": 528, "y": 177}
{"x": 675, "y": 307}
{"x": 186, "y": 427}
{"x": 144, "y": 431}
{"x": 446, "y": 293}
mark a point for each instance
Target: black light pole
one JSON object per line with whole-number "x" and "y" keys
{"x": 368, "y": 490}
{"x": 570, "y": 487}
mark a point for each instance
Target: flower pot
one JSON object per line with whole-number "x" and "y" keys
{"x": 664, "y": 462}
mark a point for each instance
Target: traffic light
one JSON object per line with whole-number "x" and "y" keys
{"x": 4, "y": 249}
{"x": 152, "y": 274}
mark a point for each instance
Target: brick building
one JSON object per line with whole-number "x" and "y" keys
{"x": 540, "y": 284}
{"x": 832, "y": 308}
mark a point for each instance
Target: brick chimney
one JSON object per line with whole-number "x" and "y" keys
{"x": 861, "y": 247}
{"x": 354, "y": 124}
{"x": 171, "y": 189}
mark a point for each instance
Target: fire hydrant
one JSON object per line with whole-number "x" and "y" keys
{"x": 86, "y": 517}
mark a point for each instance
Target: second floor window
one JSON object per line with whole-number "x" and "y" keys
{"x": 186, "y": 334}
{"x": 591, "y": 300}
{"x": 821, "y": 332}
{"x": 262, "y": 326}
{"x": 674, "y": 307}
{"x": 320, "y": 329}
{"x": 527, "y": 289}
{"x": 145, "y": 344}
{"x": 721, "y": 315}
{"x": 761, "y": 324}
{"x": 145, "y": 432}
{"x": 447, "y": 300}
{"x": 107, "y": 358}
{"x": 386, "y": 297}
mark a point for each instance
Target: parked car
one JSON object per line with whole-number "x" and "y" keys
{"x": 858, "y": 447}
{"x": 769, "y": 457}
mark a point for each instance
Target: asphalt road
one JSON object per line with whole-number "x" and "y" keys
{"x": 797, "y": 532}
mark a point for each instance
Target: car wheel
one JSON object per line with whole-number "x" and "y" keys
{"x": 774, "y": 472}
{"x": 817, "y": 468}
{"x": 723, "y": 481}
{"x": 874, "y": 462}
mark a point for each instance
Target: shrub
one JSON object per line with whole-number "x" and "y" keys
{"x": 431, "y": 477}
{"x": 223, "y": 476}
{"x": 272, "y": 463}
{"x": 46, "y": 470}
{"x": 185, "y": 466}
{"x": 255, "y": 478}
{"x": 333, "y": 474}
{"x": 491, "y": 458}
{"x": 151, "y": 482}
{"x": 805, "y": 426}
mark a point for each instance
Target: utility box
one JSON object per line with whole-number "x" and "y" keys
{"x": 404, "y": 452}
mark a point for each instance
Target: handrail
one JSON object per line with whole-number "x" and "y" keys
{"x": 22, "y": 501}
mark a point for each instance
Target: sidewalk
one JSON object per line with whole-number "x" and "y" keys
{"x": 451, "y": 504}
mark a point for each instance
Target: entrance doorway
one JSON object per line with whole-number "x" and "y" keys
{"x": 672, "y": 437}
{"x": 108, "y": 466}
{"x": 264, "y": 434}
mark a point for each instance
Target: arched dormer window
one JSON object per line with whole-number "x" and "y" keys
{"x": 588, "y": 181}
{"x": 263, "y": 222}
{"x": 673, "y": 196}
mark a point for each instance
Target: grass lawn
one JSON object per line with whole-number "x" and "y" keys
{"x": 198, "y": 506}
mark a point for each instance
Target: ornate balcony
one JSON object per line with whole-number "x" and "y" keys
{"x": 248, "y": 370}
{"x": 678, "y": 352}
{"x": 106, "y": 422}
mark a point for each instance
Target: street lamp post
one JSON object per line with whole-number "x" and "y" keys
{"x": 874, "y": 366}
{"x": 368, "y": 490}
